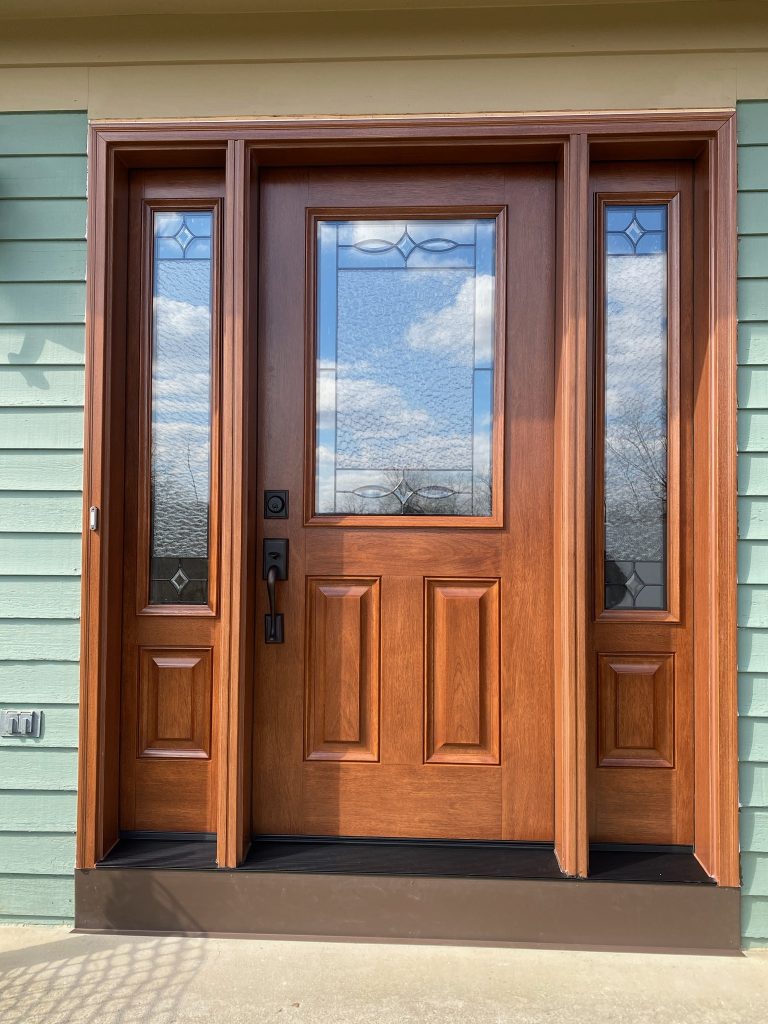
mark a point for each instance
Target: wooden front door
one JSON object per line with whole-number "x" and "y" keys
{"x": 405, "y": 404}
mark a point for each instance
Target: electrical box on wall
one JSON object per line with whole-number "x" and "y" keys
{"x": 21, "y": 724}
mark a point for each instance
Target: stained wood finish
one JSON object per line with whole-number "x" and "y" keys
{"x": 462, "y": 701}
{"x": 168, "y": 717}
{"x": 636, "y": 711}
{"x": 174, "y": 702}
{"x": 708, "y": 138}
{"x": 641, "y": 679}
{"x": 465, "y": 739}
{"x": 342, "y": 696}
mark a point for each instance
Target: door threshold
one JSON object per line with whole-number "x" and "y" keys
{"x": 407, "y": 857}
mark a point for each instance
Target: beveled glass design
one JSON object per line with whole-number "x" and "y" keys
{"x": 636, "y": 342}
{"x": 182, "y": 288}
{"x": 405, "y": 334}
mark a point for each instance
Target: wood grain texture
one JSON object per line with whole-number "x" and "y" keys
{"x": 47, "y": 597}
{"x": 42, "y": 177}
{"x": 463, "y": 679}
{"x": 44, "y": 899}
{"x": 44, "y": 386}
{"x": 42, "y": 345}
{"x": 170, "y": 653}
{"x": 489, "y": 739}
{"x": 48, "y": 512}
{"x": 41, "y": 470}
{"x": 42, "y": 260}
{"x": 342, "y": 696}
{"x": 40, "y": 554}
{"x": 175, "y": 702}
{"x": 31, "y": 428}
{"x": 46, "y": 812}
{"x": 636, "y": 711}
{"x": 42, "y": 218}
{"x": 50, "y": 682}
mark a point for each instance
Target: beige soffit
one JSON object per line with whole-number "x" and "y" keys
{"x": 11, "y": 9}
{"x": 636, "y": 30}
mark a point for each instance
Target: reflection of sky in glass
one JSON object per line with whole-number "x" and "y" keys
{"x": 181, "y": 382}
{"x": 405, "y": 367}
{"x": 635, "y": 405}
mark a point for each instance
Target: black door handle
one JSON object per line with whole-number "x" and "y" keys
{"x": 275, "y": 567}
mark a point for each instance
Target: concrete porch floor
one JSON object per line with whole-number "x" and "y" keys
{"x": 53, "y": 976}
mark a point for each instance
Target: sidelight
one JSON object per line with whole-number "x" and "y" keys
{"x": 180, "y": 457}
{"x": 405, "y": 347}
{"x": 635, "y": 404}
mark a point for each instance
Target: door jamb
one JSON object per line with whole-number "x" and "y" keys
{"x": 708, "y": 137}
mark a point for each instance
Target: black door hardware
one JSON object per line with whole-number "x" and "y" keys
{"x": 275, "y": 568}
{"x": 275, "y": 504}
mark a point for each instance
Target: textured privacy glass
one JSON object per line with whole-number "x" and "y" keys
{"x": 181, "y": 408}
{"x": 635, "y": 406}
{"x": 405, "y": 348}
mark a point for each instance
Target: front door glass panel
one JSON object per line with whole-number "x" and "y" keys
{"x": 405, "y": 340}
{"x": 181, "y": 407}
{"x": 635, "y": 483}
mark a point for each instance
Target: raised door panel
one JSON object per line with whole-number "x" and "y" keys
{"x": 636, "y": 709}
{"x": 342, "y": 687}
{"x": 175, "y": 687}
{"x": 462, "y": 671}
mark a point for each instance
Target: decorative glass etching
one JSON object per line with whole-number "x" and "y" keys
{"x": 635, "y": 480}
{"x": 181, "y": 408}
{"x": 405, "y": 353}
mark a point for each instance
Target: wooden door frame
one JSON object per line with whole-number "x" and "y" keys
{"x": 570, "y": 142}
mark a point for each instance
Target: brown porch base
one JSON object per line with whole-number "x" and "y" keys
{"x": 561, "y": 913}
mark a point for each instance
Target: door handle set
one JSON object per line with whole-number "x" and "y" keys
{"x": 274, "y": 568}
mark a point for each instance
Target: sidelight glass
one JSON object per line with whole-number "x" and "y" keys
{"x": 182, "y": 291}
{"x": 405, "y": 367}
{"x": 635, "y": 427}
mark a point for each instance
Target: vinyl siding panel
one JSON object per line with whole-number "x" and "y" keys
{"x": 752, "y": 121}
{"x": 42, "y": 312}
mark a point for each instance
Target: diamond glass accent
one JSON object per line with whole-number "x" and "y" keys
{"x": 635, "y": 471}
{"x": 405, "y": 363}
{"x": 181, "y": 407}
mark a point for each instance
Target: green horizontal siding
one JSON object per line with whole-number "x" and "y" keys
{"x": 58, "y": 730}
{"x": 42, "y": 133}
{"x": 42, "y": 312}
{"x": 32, "y": 768}
{"x": 44, "y": 682}
{"x": 39, "y": 597}
{"x": 46, "y": 302}
{"x": 37, "y": 898}
{"x": 753, "y": 694}
{"x": 46, "y": 639}
{"x": 38, "y": 812}
{"x": 47, "y": 854}
{"x": 41, "y": 470}
{"x": 39, "y": 554}
{"x": 752, "y": 131}
{"x": 41, "y": 428}
{"x": 42, "y": 177}
{"x": 60, "y": 260}
{"x": 42, "y": 218}
{"x": 42, "y": 345}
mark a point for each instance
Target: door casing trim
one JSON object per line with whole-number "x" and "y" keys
{"x": 571, "y": 142}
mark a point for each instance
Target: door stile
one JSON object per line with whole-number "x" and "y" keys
{"x": 715, "y": 490}
{"x": 571, "y": 583}
{"x": 237, "y": 513}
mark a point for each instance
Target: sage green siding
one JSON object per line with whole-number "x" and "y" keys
{"x": 42, "y": 304}
{"x": 753, "y": 516}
